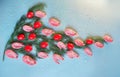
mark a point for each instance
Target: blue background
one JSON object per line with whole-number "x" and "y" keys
{"x": 95, "y": 17}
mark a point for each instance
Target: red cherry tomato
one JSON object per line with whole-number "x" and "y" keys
{"x": 21, "y": 37}
{"x": 70, "y": 46}
{"x": 37, "y": 24}
{"x": 30, "y": 14}
{"x": 57, "y": 37}
{"x": 28, "y": 48}
{"x": 32, "y": 36}
{"x": 44, "y": 44}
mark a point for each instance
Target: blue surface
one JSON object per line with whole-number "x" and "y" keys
{"x": 95, "y": 17}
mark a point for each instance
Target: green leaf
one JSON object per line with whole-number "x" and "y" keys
{"x": 39, "y": 6}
